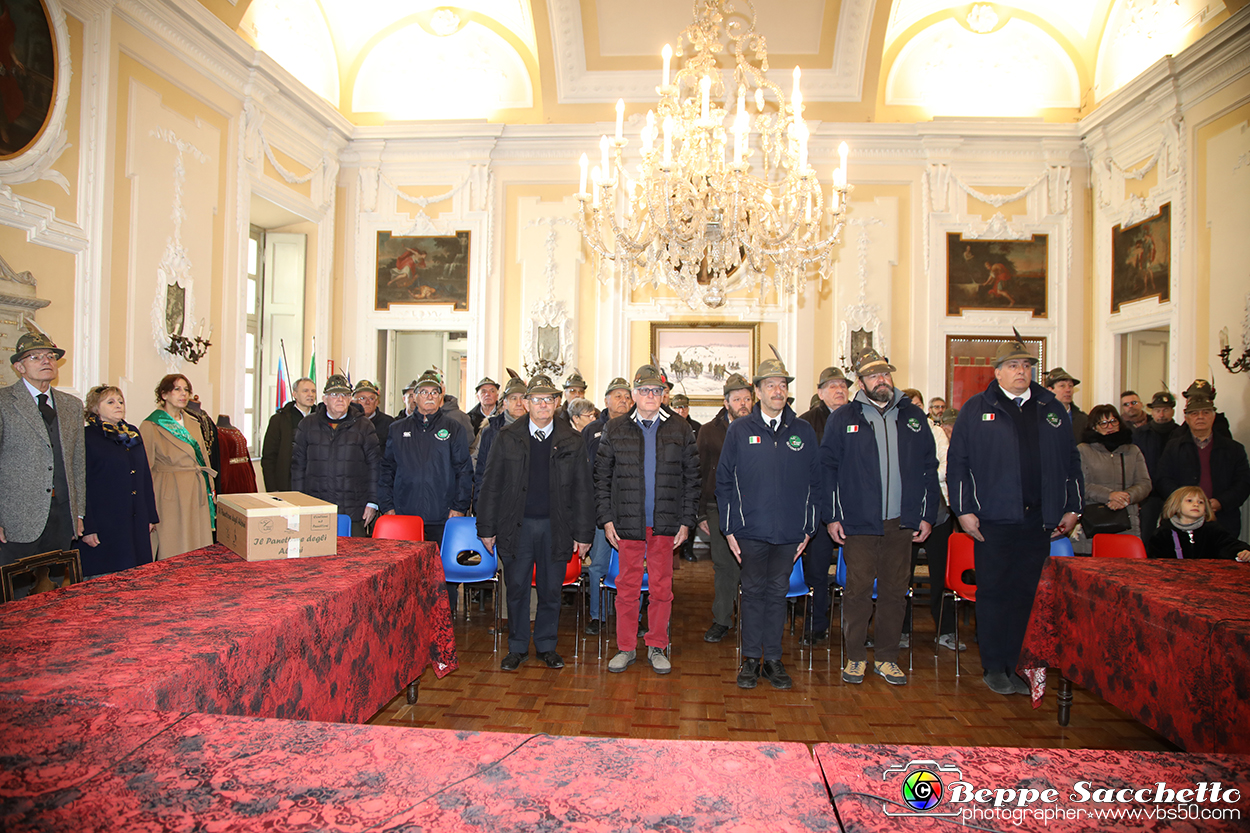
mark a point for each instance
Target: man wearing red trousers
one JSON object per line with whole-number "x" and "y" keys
{"x": 646, "y": 496}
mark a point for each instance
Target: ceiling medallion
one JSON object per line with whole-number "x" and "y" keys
{"x": 695, "y": 216}
{"x": 982, "y": 19}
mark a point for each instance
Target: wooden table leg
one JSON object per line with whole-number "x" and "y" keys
{"x": 1065, "y": 700}
{"x": 412, "y": 692}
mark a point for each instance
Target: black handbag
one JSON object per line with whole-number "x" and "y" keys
{"x": 1101, "y": 519}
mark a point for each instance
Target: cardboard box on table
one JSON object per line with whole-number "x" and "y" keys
{"x": 268, "y": 525}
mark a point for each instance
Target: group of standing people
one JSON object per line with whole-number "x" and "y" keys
{"x": 83, "y": 472}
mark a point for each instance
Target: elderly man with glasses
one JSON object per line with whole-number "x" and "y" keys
{"x": 42, "y": 456}
{"x": 536, "y": 506}
{"x": 646, "y": 493}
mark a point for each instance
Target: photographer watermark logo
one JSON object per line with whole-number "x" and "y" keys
{"x": 922, "y": 788}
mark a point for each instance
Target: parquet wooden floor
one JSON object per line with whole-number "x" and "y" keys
{"x": 700, "y": 700}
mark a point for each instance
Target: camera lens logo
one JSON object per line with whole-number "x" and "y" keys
{"x": 922, "y": 790}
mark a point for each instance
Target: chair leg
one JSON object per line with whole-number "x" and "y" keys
{"x": 955, "y": 602}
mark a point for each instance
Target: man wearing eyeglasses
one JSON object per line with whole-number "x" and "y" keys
{"x": 426, "y": 469}
{"x": 535, "y": 505}
{"x": 42, "y": 457}
{"x": 646, "y": 495}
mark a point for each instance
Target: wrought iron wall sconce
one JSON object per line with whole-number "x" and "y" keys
{"x": 1242, "y": 364}
{"x": 191, "y": 349}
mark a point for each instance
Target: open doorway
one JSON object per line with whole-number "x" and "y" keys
{"x": 406, "y": 354}
{"x": 277, "y": 286}
{"x": 1144, "y": 361}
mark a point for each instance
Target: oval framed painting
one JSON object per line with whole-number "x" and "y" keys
{"x": 28, "y": 74}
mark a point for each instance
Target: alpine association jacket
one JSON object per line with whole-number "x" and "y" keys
{"x": 768, "y": 484}
{"x": 426, "y": 470}
{"x": 983, "y": 464}
{"x": 853, "y": 479}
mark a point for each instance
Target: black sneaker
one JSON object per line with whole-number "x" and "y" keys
{"x": 513, "y": 661}
{"x": 715, "y": 633}
{"x": 776, "y": 674}
{"x": 749, "y": 674}
{"x": 552, "y": 659}
{"x": 592, "y": 627}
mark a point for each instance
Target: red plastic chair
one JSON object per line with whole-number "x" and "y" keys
{"x": 1118, "y": 546}
{"x": 399, "y": 527}
{"x": 959, "y": 557}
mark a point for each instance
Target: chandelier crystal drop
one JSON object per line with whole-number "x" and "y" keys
{"x": 710, "y": 209}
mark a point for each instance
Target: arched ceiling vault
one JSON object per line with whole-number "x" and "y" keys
{"x": 567, "y": 61}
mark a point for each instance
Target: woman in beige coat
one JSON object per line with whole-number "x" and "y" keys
{"x": 181, "y": 477}
{"x": 1114, "y": 469}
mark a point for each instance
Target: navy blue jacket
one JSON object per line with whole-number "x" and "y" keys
{"x": 592, "y": 433}
{"x": 120, "y": 504}
{"x": 983, "y": 463}
{"x": 768, "y": 485}
{"x": 426, "y": 470}
{"x": 852, "y": 467}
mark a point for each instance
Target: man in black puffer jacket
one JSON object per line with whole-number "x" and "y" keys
{"x": 647, "y": 496}
{"x": 337, "y": 455}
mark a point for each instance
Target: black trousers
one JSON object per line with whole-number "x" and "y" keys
{"x": 1008, "y": 565}
{"x": 58, "y": 534}
{"x": 765, "y": 580}
{"x": 533, "y": 550}
{"x": 816, "y": 560}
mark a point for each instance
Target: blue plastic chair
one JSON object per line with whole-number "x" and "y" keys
{"x": 460, "y": 536}
{"x": 840, "y": 578}
{"x": 1061, "y": 546}
{"x": 608, "y": 582}
{"x": 345, "y": 526}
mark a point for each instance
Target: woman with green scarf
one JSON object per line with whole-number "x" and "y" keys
{"x": 181, "y": 476}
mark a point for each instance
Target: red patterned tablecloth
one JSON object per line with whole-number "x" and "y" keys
{"x": 329, "y": 638}
{"x": 1167, "y": 642}
{"x": 866, "y": 781}
{"x": 70, "y": 769}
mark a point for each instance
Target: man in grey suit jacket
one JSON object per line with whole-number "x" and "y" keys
{"x": 42, "y": 458}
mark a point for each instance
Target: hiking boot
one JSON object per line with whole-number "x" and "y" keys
{"x": 854, "y": 671}
{"x": 890, "y": 672}
{"x": 622, "y": 660}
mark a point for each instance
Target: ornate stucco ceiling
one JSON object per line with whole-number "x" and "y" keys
{"x": 533, "y": 61}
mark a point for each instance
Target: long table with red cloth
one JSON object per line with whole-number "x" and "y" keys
{"x": 1166, "y": 641}
{"x": 866, "y": 781}
{"x": 71, "y": 769}
{"x": 329, "y": 638}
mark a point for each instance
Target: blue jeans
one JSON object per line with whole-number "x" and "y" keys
{"x": 600, "y": 555}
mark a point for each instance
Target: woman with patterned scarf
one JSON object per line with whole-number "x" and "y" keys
{"x": 121, "y": 507}
{"x": 181, "y": 475}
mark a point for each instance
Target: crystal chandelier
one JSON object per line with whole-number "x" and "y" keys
{"x": 708, "y": 210}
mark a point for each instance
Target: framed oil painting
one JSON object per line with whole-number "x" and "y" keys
{"x": 699, "y": 356}
{"x": 28, "y": 63}
{"x": 1141, "y": 264}
{"x": 996, "y": 274}
{"x": 970, "y": 364}
{"x": 423, "y": 270}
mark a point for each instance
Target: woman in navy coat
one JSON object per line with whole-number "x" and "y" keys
{"x": 121, "y": 506}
